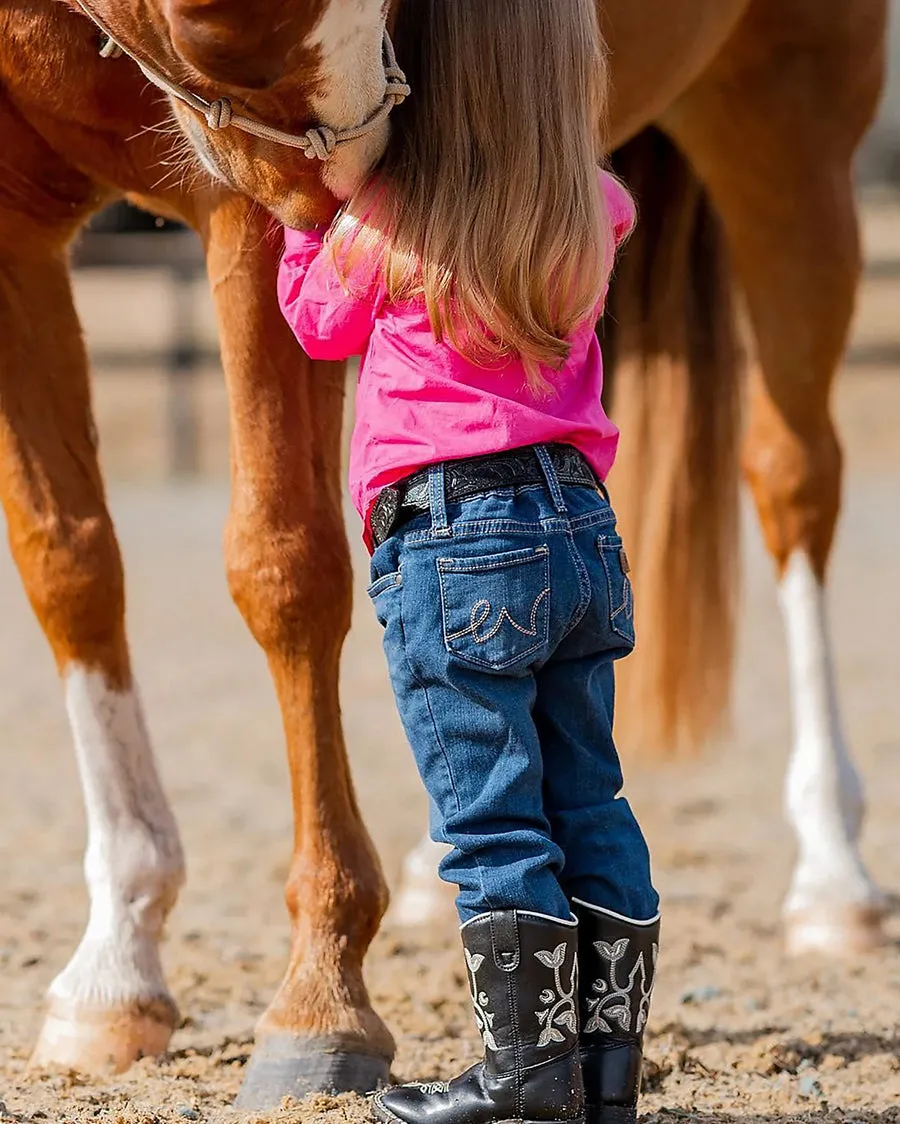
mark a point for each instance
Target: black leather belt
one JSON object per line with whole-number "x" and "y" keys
{"x": 463, "y": 479}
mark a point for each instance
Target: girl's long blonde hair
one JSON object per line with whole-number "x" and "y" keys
{"x": 487, "y": 202}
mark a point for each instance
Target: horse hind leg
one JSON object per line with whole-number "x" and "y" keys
{"x": 785, "y": 196}
{"x": 794, "y": 467}
{"x": 832, "y": 904}
{"x": 792, "y": 461}
{"x": 110, "y": 1004}
{"x": 422, "y": 899}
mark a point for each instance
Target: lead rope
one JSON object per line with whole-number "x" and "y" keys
{"x": 316, "y": 144}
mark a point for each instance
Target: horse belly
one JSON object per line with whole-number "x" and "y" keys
{"x": 657, "y": 49}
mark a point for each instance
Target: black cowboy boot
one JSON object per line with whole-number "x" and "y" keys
{"x": 618, "y": 964}
{"x": 523, "y": 975}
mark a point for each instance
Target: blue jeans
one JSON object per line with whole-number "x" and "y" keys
{"x": 502, "y": 617}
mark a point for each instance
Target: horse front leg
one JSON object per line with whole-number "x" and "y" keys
{"x": 289, "y": 572}
{"x": 110, "y": 1004}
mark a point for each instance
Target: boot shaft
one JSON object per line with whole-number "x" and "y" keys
{"x": 618, "y": 966}
{"x": 523, "y": 979}
{"x": 617, "y": 959}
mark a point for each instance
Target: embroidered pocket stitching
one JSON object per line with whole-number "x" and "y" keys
{"x": 483, "y": 609}
{"x": 534, "y": 628}
{"x": 626, "y": 593}
{"x": 612, "y": 545}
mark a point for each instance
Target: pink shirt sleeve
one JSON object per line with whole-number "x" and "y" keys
{"x": 332, "y": 318}
{"x": 619, "y": 207}
{"x": 621, "y": 214}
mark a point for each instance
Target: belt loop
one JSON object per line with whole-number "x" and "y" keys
{"x": 437, "y": 499}
{"x": 544, "y": 459}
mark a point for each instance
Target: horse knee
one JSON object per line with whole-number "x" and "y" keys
{"x": 293, "y": 586}
{"x": 72, "y": 572}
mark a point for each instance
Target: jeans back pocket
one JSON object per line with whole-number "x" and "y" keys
{"x": 496, "y": 607}
{"x": 621, "y": 598}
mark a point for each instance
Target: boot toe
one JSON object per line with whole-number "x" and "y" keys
{"x": 406, "y": 1104}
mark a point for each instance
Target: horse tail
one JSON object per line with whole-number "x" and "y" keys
{"x": 671, "y": 344}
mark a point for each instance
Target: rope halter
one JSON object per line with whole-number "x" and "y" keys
{"x": 317, "y": 143}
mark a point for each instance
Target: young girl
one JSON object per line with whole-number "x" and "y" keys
{"x": 469, "y": 273}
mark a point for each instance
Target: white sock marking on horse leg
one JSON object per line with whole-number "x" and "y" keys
{"x": 422, "y": 898}
{"x": 823, "y": 793}
{"x": 133, "y": 863}
{"x": 349, "y": 37}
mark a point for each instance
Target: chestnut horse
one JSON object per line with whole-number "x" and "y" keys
{"x": 767, "y": 99}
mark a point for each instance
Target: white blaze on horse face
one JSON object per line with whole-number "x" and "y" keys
{"x": 133, "y": 863}
{"x": 823, "y": 796}
{"x": 349, "y": 39}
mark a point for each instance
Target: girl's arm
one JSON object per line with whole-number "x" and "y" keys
{"x": 329, "y": 321}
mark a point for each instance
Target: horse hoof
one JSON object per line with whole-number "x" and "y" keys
{"x": 283, "y": 1065}
{"x": 103, "y": 1040}
{"x": 847, "y": 930}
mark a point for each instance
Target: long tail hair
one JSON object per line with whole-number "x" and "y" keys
{"x": 670, "y": 346}
{"x": 487, "y": 201}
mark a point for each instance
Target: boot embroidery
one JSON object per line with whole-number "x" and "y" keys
{"x": 646, "y": 990}
{"x": 560, "y": 1009}
{"x": 430, "y": 1088}
{"x": 612, "y": 1001}
{"x": 484, "y": 1018}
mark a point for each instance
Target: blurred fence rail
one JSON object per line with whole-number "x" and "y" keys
{"x": 126, "y": 243}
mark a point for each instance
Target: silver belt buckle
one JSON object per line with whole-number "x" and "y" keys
{"x": 384, "y": 514}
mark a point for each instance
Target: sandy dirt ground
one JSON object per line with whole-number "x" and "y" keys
{"x": 738, "y": 1034}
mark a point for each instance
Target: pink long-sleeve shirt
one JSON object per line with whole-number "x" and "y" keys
{"x": 418, "y": 401}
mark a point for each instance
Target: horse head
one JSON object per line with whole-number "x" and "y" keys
{"x": 288, "y": 64}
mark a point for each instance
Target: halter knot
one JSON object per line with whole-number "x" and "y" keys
{"x": 321, "y": 141}
{"x": 397, "y": 86}
{"x": 219, "y": 114}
